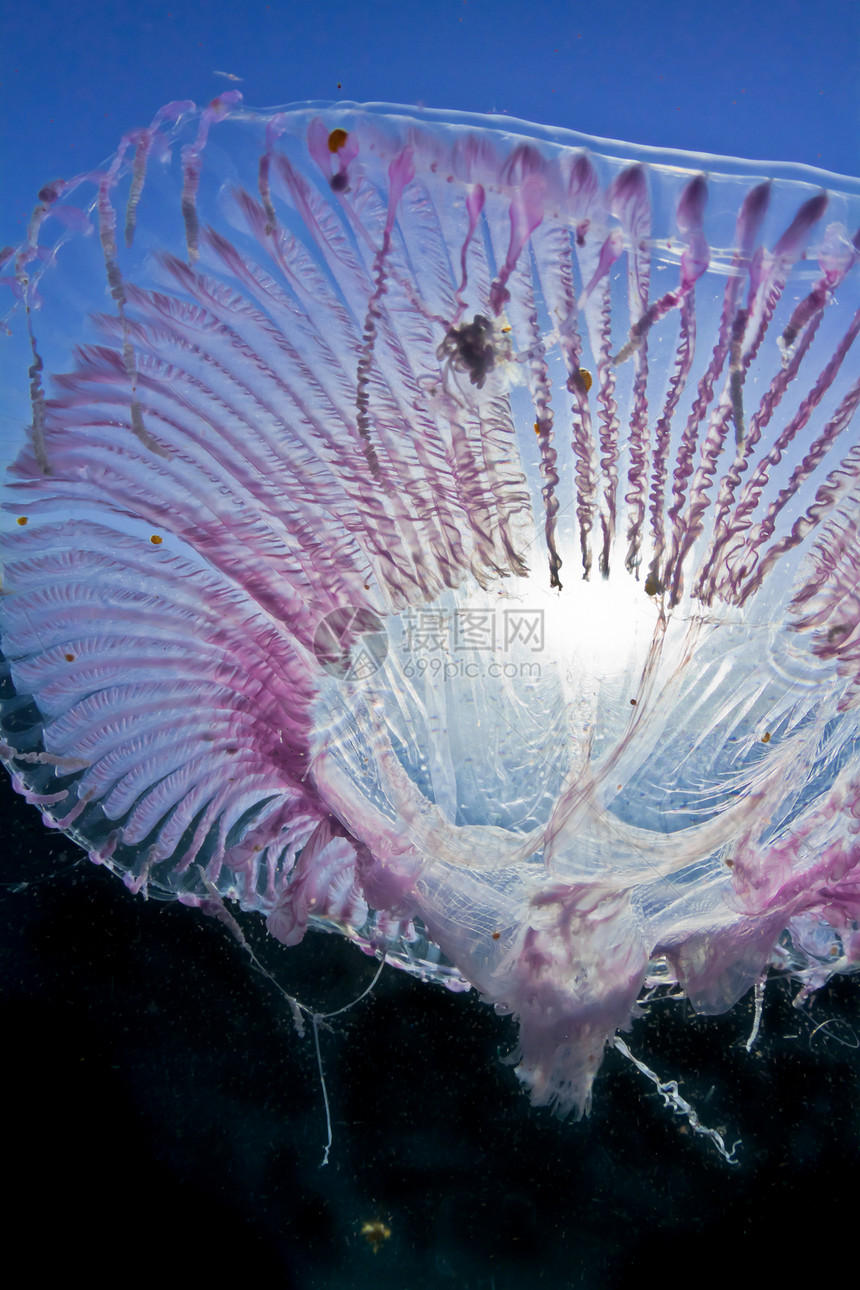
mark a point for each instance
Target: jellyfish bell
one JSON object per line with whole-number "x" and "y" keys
{"x": 445, "y": 530}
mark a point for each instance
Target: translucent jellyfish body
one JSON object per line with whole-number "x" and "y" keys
{"x": 446, "y": 530}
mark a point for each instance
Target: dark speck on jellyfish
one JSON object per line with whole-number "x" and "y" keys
{"x": 553, "y": 444}
{"x": 470, "y": 347}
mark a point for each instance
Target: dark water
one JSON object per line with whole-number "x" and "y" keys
{"x": 162, "y": 1116}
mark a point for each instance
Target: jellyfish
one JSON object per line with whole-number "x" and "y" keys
{"x": 445, "y": 531}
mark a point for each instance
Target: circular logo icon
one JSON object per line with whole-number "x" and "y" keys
{"x": 350, "y": 643}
